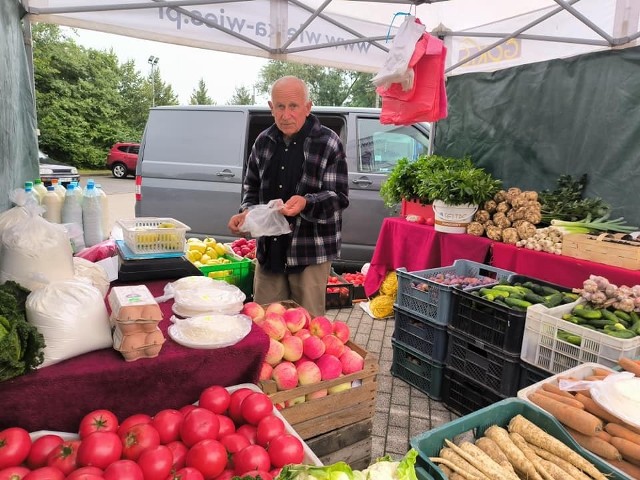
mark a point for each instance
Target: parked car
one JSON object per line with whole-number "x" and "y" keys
{"x": 123, "y": 159}
{"x": 192, "y": 160}
{"x": 50, "y": 169}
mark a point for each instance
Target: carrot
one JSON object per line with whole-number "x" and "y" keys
{"x": 490, "y": 447}
{"x": 536, "y": 436}
{"x": 601, "y": 372}
{"x": 595, "y": 445}
{"x": 632, "y": 470}
{"x": 592, "y": 407}
{"x": 595, "y": 378}
{"x": 582, "y": 421}
{"x": 604, "y": 436}
{"x": 630, "y": 366}
{"x": 629, "y": 450}
{"x": 561, "y": 398}
{"x": 586, "y": 393}
{"x": 550, "y": 387}
{"x": 515, "y": 455}
{"x": 622, "y": 432}
{"x": 563, "y": 464}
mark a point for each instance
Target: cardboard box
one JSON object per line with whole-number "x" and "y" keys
{"x": 321, "y": 415}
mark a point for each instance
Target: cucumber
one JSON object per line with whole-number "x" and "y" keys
{"x": 517, "y": 303}
{"x": 534, "y": 298}
{"x": 609, "y": 315}
{"x": 587, "y": 313}
{"x": 624, "y": 334}
{"x": 623, "y": 315}
{"x": 550, "y": 290}
{"x": 553, "y": 300}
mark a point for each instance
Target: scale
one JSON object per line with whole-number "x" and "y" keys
{"x": 135, "y": 267}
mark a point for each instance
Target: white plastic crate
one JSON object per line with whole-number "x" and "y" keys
{"x": 146, "y": 235}
{"x": 580, "y": 372}
{"x": 542, "y": 347}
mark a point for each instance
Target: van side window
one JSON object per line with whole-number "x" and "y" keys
{"x": 381, "y": 146}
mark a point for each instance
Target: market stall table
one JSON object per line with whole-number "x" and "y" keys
{"x": 58, "y": 396}
{"x": 419, "y": 247}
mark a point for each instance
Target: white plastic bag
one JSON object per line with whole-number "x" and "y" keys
{"x": 266, "y": 220}
{"x": 92, "y": 274}
{"x": 396, "y": 66}
{"x": 20, "y": 212}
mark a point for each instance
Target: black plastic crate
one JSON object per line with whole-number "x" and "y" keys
{"x": 417, "y": 370}
{"x": 484, "y": 363}
{"x": 339, "y": 295}
{"x": 462, "y": 395}
{"x": 428, "y": 338}
{"x": 530, "y": 374}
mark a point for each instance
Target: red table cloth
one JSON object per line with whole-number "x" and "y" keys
{"x": 561, "y": 270}
{"x": 58, "y": 396}
{"x": 419, "y": 247}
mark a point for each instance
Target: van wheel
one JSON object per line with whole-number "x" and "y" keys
{"x": 119, "y": 170}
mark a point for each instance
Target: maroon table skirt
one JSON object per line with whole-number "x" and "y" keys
{"x": 58, "y": 396}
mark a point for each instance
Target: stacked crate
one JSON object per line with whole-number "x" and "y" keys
{"x": 423, "y": 311}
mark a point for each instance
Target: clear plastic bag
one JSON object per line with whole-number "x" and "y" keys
{"x": 266, "y": 220}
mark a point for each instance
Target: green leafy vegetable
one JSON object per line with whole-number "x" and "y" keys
{"x": 21, "y": 345}
{"x": 587, "y": 225}
{"x": 568, "y": 203}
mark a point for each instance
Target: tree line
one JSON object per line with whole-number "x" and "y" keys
{"x": 87, "y": 100}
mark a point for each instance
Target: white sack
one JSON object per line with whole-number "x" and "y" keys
{"x": 92, "y": 274}
{"x": 72, "y": 317}
{"x": 35, "y": 252}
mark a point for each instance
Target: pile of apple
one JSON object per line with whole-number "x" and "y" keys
{"x": 244, "y": 248}
{"x": 357, "y": 279}
{"x": 304, "y": 350}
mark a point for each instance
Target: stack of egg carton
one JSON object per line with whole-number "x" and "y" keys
{"x": 135, "y": 315}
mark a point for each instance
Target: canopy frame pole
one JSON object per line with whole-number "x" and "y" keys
{"x": 586, "y": 21}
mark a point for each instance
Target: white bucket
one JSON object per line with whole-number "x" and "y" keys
{"x": 452, "y": 218}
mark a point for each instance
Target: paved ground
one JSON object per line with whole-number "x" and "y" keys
{"x": 402, "y": 411}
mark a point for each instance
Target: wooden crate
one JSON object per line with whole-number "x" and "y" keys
{"x": 321, "y": 415}
{"x": 616, "y": 250}
{"x": 351, "y": 444}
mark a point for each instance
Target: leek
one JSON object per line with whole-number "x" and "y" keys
{"x": 601, "y": 224}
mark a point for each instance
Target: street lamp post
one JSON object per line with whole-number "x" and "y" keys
{"x": 153, "y": 61}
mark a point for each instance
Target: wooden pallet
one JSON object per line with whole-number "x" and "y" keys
{"x": 315, "y": 417}
{"x": 351, "y": 444}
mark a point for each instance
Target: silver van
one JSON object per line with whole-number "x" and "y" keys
{"x": 190, "y": 166}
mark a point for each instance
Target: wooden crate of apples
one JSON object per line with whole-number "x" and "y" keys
{"x": 313, "y": 373}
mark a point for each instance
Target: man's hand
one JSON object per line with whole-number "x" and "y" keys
{"x": 236, "y": 222}
{"x": 294, "y": 206}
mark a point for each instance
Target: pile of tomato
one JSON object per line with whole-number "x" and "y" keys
{"x": 356, "y": 278}
{"x": 226, "y": 434}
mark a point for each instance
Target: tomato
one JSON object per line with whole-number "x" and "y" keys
{"x": 14, "y": 473}
{"x": 286, "y": 449}
{"x": 99, "y": 449}
{"x": 123, "y": 470}
{"x": 227, "y": 474}
{"x": 226, "y": 426}
{"x": 235, "y": 404}
{"x": 44, "y": 473}
{"x": 64, "y": 456}
{"x": 199, "y": 424}
{"x": 15, "y": 444}
{"x": 179, "y": 452}
{"x": 85, "y": 473}
{"x": 98, "y": 421}
{"x": 249, "y": 431}
{"x": 186, "y": 409}
{"x": 269, "y": 427}
{"x": 209, "y": 457}
{"x": 137, "y": 439}
{"x": 40, "y": 448}
{"x": 255, "y": 407}
{"x": 134, "y": 419}
{"x": 155, "y": 462}
{"x": 275, "y": 472}
{"x": 215, "y": 398}
{"x": 253, "y": 457}
{"x": 234, "y": 442}
{"x": 430, "y": 221}
{"x": 264, "y": 475}
{"x": 187, "y": 473}
{"x": 168, "y": 422}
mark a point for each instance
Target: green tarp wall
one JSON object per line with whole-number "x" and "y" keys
{"x": 529, "y": 124}
{"x": 18, "y": 138}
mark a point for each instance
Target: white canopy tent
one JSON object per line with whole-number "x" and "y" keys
{"x": 355, "y": 34}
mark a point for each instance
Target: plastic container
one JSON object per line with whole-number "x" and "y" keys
{"x": 484, "y": 363}
{"x": 417, "y": 370}
{"x": 428, "y": 444}
{"x": 154, "y": 234}
{"x": 92, "y": 216}
{"x": 542, "y": 347}
{"x": 72, "y": 207}
{"x": 435, "y": 302}
{"x": 462, "y": 394}
{"x": 104, "y": 204}
{"x": 428, "y": 338}
{"x": 339, "y": 295}
{"x": 39, "y": 188}
{"x": 59, "y": 189}
{"x": 53, "y": 204}
{"x": 530, "y": 374}
{"x": 238, "y": 273}
{"x": 32, "y": 196}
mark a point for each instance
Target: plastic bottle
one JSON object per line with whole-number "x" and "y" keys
{"x": 71, "y": 208}
{"x": 78, "y": 191}
{"x": 104, "y": 203}
{"x": 91, "y": 216}
{"x": 59, "y": 188}
{"x": 53, "y": 204}
{"x": 32, "y": 197}
{"x": 39, "y": 188}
